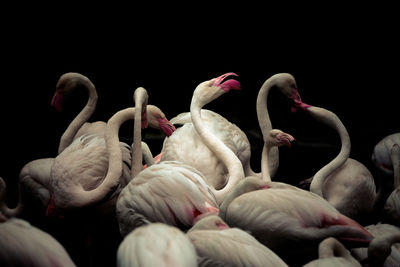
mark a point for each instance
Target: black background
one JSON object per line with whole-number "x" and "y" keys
{"x": 345, "y": 59}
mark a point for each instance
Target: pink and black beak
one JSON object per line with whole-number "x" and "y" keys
{"x": 56, "y": 101}
{"x": 298, "y": 103}
{"x": 167, "y": 127}
{"x": 286, "y": 139}
{"x": 227, "y": 81}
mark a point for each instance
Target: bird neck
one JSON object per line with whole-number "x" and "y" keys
{"x": 140, "y": 107}
{"x": 6, "y": 211}
{"x": 262, "y": 111}
{"x": 334, "y": 122}
{"x": 115, "y": 164}
{"x": 81, "y": 118}
{"x": 265, "y": 171}
{"x": 395, "y": 157}
{"x": 380, "y": 248}
{"x": 221, "y": 151}
{"x": 330, "y": 248}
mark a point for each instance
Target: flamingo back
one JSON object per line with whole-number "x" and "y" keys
{"x": 168, "y": 192}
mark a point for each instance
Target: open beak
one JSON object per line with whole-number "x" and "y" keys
{"x": 226, "y": 83}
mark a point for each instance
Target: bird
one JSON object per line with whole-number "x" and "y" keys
{"x": 344, "y": 182}
{"x": 35, "y": 176}
{"x": 380, "y": 249}
{"x": 283, "y": 217}
{"x": 155, "y": 194}
{"x": 79, "y": 126}
{"x": 22, "y": 244}
{"x": 332, "y": 253}
{"x": 187, "y": 147}
{"x": 378, "y": 230}
{"x": 381, "y": 155}
{"x": 88, "y": 171}
{"x": 215, "y": 241}
{"x": 391, "y": 209}
{"x": 156, "y": 244}
{"x": 386, "y": 157}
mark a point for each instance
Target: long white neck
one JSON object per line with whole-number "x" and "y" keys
{"x": 223, "y": 153}
{"x": 8, "y": 212}
{"x": 334, "y": 122}
{"x": 140, "y": 99}
{"x": 265, "y": 170}
{"x": 264, "y": 122}
{"x": 330, "y": 248}
{"x": 395, "y": 156}
{"x": 111, "y": 181}
{"x": 81, "y": 118}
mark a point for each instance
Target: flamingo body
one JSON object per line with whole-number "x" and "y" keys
{"x": 168, "y": 192}
{"x": 381, "y": 154}
{"x": 186, "y": 146}
{"x": 22, "y": 244}
{"x": 156, "y": 244}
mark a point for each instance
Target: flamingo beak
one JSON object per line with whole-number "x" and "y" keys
{"x": 226, "y": 83}
{"x": 166, "y": 126}
{"x": 298, "y": 103}
{"x": 286, "y": 139}
{"x": 56, "y": 101}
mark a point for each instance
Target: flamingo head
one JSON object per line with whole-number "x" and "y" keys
{"x": 279, "y": 138}
{"x": 156, "y": 119}
{"x": 66, "y": 84}
{"x": 209, "y": 90}
{"x": 287, "y": 85}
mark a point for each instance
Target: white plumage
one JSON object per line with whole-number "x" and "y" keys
{"x": 156, "y": 244}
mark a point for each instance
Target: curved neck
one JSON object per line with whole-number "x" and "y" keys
{"x": 81, "y": 118}
{"x": 334, "y": 122}
{"x": 221, "y": 151}
{"x": 380, "y": 248}
{"x": 330, "y": 247}
{"x": 115, "y": 164}
{"x": 262, "y": 111}
{"x": 3, "y": 207}
{"x": 395, "y": 157}
{"x": 140, "y": 98}
{"x": 265, "y": 170}
{"x": 147, "y": 155}
{"x": 245, "y": 185}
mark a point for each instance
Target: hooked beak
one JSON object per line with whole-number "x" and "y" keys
{"x": 226, "y": 83}
{"x": 286, "y": 139}
{"x": 298, "y": 103}
{"x": 56, "y": 101}
{"x": 166, "y": 126}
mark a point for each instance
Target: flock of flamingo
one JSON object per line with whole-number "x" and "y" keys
{"x": 198, "y": 202}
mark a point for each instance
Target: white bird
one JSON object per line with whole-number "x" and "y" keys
{"x": 285, "y": 218}
{"x": 382, "y": 156}
{"x": 88, "y": 171}
{"x": 22, "y": 244}
{"x": 172, "y": 192}
{"x": 377, "y": 230}
{"x": 187, "y": 147}
{"x": 332, "y": 253}
{"x": 215, "y": 241}
{"x": 380, "y": 249}
{"x": 346, "y": 183}
{"x": 156, "y": 244}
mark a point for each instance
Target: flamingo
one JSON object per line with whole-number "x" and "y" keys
{"x": 215, "y": 241}
{"x": 284, "y": 217}
{"x": 380, "y": 249}
{"x": 378, "y": 230}
{"x": 332, "y": 253}
{"x": 22, "y": 244}
{"x": 86, "y": 172}
{"x": 382, "y": 156}
{"x": 172, "y": 192}
{"x": 185, "y": 145}
{"x": 79, "y": 126}
{"x": 392, "y": 205}
{"x": 346, "y": 183}
{"x": 156, "y": 244}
